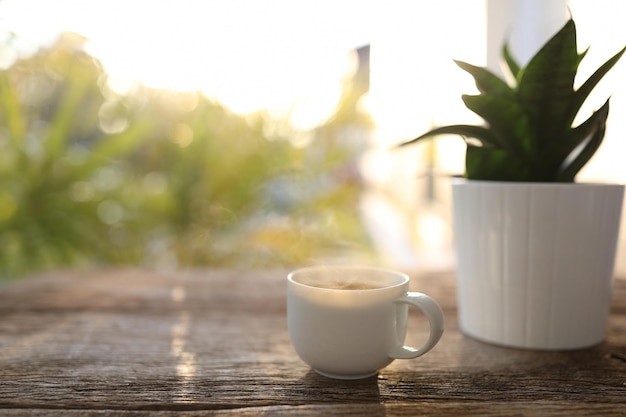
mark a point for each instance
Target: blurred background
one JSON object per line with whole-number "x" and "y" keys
{"x": 174, "y": 134}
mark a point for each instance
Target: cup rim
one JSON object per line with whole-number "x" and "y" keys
{"x": 403, "y": 277}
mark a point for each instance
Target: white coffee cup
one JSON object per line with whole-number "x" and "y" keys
{"x": 349, "y": 322}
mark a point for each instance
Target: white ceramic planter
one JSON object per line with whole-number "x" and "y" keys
{"x": 535, "y": 261}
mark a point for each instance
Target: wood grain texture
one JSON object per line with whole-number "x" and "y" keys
{"x": 215, "y": 342}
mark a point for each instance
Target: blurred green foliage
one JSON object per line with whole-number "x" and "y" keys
{"x": 158, "y": 178}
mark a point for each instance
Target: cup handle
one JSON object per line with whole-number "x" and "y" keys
{"x": 435, "y": 317}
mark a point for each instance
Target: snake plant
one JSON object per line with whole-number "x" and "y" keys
{"x": 529, "y": 133}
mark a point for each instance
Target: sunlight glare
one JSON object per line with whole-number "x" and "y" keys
{"x": 285, "y": 57}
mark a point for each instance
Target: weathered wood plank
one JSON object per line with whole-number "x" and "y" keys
{"x": 215, "y": 343}
{"x": 424, "y": 409}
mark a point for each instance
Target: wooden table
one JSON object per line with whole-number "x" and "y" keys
{"x": 215, "y": 342}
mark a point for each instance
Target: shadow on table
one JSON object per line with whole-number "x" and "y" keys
{"x": 365, "y": 392}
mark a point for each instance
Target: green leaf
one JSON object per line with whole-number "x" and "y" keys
{"x": 484, "y": 135}
{"x": 65, "y": 115}
{"x": 595, "y": 127}
{"x": 546, "y": 85}
{"x": 583, "y": 92}
{"x": 511, "y": 63}
{"x": 486, "y": 81}
{"x": 114, "y": 147}
{"x": 582, "y": 132}
{"x": 11, "y": 110}
{"x": 506, "y": 118}
{"x": 493, "y": 165}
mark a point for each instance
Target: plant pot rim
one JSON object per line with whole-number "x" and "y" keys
{"x": 464, "y": 181}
